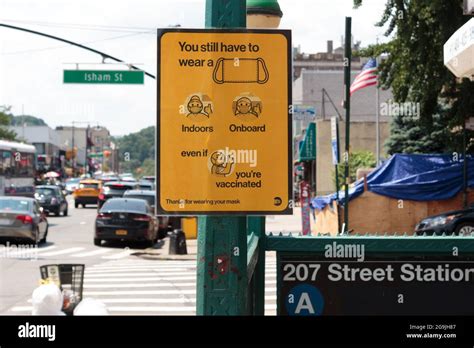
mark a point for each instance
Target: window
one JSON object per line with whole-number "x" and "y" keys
{"x": 5, "y": 162}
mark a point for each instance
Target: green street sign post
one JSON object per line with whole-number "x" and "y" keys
{"x": 124, "y": 77}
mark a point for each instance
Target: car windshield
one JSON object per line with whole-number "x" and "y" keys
{"x": 88, "y": 185}
{"x": 72, "y": 181}
{"x": 148, "y": 198}
{"x": 45, "y": 192}
{"x": 131, "y": 205}
{"x": 14, "y": 204}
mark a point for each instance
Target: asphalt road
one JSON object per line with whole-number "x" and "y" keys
{"x": 127, "y": 284}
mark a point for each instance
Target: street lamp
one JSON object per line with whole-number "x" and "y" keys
{"x": 263, "y": 14}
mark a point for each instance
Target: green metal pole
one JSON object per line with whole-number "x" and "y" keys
{"x": 256, "y": 224}
{"x": 465, "y": 163}
{"x": 347, "y": 85}
{"x": 222, "y": 240}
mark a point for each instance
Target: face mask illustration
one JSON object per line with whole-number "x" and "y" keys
{"x": 240, "y": 70}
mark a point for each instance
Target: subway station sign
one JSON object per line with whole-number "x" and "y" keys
{"x": 104, "y": 76}
{"x": 379, "y": 285}
{"x": 224, "y": 122}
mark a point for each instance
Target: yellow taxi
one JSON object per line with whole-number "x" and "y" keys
{"x": 87, "y": 192}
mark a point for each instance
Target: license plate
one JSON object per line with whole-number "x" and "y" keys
{"x": 5, "y": 222}
{"x": 121, "y": 232}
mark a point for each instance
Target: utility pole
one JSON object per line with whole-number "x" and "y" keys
{"x": 347, "y": 104}
{"x": 73, "y": 164}
{"x": 222, "y": 239}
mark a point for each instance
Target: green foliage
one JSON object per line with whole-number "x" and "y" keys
{"x": 26, "y": 120}
{"x": 137, "y": 150}
{"x": 5, "y": 116}
{"x": 357, "y": 159}
{"x": 415, "y": 71}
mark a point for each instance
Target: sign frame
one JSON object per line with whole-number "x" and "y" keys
{"x": 288, "y": 210}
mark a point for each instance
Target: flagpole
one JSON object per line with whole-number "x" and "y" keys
{"x": 377, "y": 118}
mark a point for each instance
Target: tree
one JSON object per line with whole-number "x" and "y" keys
{"x": 136, "y": 148}
{"x": 357, "y": 159}
{"x": 5, "y": 134}
{"x": 415, "y": 71}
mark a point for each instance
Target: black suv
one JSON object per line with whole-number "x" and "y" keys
{"x": 52, "y": 199}
{"x": 114, "y": 189}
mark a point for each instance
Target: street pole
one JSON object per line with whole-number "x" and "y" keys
{"x": 222, "y": 240}
{"x": 72, "y": 152}
{"x": 377, "y": 119}
{"x": 347, "y": 104}
{"x": 464, "y": 143}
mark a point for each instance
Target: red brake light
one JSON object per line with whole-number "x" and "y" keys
{"x": 142, "y": 218}
{"x": 26, "y": 219}
{"x": 101, "y": 196}
{"x": 103, "y": 216}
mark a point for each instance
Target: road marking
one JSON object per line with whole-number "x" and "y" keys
{"x": 61, "y": 252}
{"x": 190, "y": 310}
{"x": 140, "y": 292}
{"x": 92, "y": 253}
{"x": 119, "y": 255}
{"x": 88, "y": 283}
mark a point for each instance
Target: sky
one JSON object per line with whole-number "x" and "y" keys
{"x": 31, "y": 67}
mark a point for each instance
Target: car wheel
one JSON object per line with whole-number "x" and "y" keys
{"x": 43, "y": 240}
{"x": 76, "y": 205}
{"x": 97, "y": 241}
{"x": 83, "y": 205}
{"x": 36, "y": 239}
{"x": 58, "y": 212}
{"x": 149, "y": 243}
{"x": 465, "y": 228}
{"x": 162, "y": 233}
{"x": 65, "y": 212}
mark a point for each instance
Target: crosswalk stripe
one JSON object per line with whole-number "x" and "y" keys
{"x": 88, "y": 280}
{"x": 92, "y": 253}
{"x": 190, "y": 310}
{"x": 119, "y": 255}
{"x": 61, "y": 252}
{"x": 140, "y": 292}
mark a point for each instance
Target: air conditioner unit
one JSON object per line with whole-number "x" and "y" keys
{"x": 469, "y": 7}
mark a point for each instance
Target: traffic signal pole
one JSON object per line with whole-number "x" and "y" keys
{"x": 222, "y": 240}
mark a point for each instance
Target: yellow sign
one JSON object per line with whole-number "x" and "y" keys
{"x": 224, "y": 122}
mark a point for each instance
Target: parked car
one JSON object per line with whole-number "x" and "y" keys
{"x": 126, "y": 219}
{"x": 71, "y": 185}
{"x": 146, "y": 185}
{"x": 114, "y": 189}
{"x": 451, "y": 222}
{"x": 23, "y": 218}
{"x": 87, "y": 193}
{"x": 51, "y": 199}
{"x": 149, "y": 196}
{"x": 126, "y": 175}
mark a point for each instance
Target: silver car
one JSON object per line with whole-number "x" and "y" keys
{"x": 22, "y": 217}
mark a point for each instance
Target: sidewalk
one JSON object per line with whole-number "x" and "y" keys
{"x": 274, "y": 224}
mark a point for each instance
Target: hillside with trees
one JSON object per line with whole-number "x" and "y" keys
{"x": 137, "y": 152}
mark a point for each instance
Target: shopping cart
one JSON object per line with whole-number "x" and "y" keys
{"x": 70, "y": 279}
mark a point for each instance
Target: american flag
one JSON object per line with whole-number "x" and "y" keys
{"x": 367, "y": 77}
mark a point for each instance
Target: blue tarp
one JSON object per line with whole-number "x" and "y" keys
{"x": 411, "y": 177}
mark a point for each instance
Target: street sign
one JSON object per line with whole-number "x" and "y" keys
{"x": 104, "y": 76}
{"x": 345, "y": 281}
{"x": 304, "y": 113}
{"x": 224, "y": 123}
{"x": 308, "y": 145}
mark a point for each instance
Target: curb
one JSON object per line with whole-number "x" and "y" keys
{"x": 151, "y": 256}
